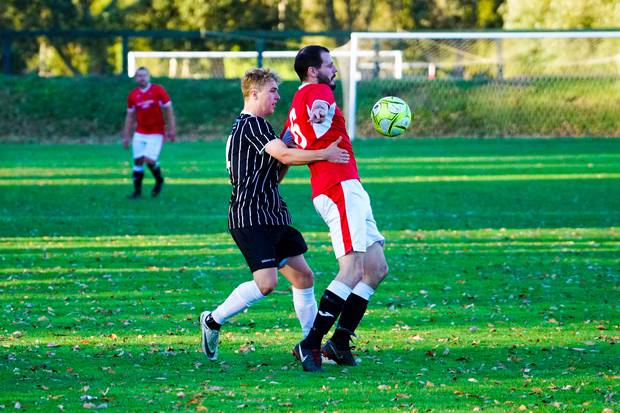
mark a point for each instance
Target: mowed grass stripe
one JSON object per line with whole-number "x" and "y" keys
{"x": 502, "y": 293}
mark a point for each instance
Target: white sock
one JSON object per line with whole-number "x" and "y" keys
{"x": 305, "y": 308}
{"x": 340, "y": 289}
{"x": 363, "y": 290}
{"x": 241, "y": 298}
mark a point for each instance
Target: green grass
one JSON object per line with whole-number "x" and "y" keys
{"x": 503, "y": 292}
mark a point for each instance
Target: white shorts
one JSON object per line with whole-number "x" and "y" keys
{"x": 147, "y": 145}
{"x": 346, "y": 210}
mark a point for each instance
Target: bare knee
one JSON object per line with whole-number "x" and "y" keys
{"x": 138, "y": 161}
{"x": 307, "y": 278}
{"x": 267, "y": 286}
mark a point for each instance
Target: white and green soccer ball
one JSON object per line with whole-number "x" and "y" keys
{"x": 390, "y": 116}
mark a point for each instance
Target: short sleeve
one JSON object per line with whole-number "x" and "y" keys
{"x": 131, "y": 103}
{"x": 164, "y": 99}
{"x": 321, "y": 92}
{"x": 259, "y": 133}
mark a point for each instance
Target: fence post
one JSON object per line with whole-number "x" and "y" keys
{"x": 125, "y": 42}
{"x": 6, "y": 53}
{"x": 260, "y": 48}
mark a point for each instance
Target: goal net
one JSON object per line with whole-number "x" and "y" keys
{"x": 486, "y": 84}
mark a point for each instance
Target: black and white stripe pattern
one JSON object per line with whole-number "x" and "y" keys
{"x": 255, "y": 198}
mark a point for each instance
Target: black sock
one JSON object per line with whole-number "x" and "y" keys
{"x": 352, "y": 313}
{"x": 212, "y": 324}
{"x": 329, "y": 310}
{"x": 156, "y": 171}
{"x": 137, "y": 181}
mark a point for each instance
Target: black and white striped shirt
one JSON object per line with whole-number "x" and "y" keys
{"x": 254, "y": 174}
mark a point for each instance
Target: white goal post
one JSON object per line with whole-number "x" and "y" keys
{"x": 395, "y": 57}
{"x": 411, "y": 40}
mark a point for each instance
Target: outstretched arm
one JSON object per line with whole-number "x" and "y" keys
{"x": 291, "y": 156}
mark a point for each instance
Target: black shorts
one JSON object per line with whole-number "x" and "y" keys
{"x": 268, "y": 246}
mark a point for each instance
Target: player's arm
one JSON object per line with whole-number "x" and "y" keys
{"x": 291, "y": 156}
{"x": 130, "y": 120}
{"x": 170, "y": 122}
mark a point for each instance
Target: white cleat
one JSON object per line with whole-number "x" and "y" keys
{"x": 209, "y": 337}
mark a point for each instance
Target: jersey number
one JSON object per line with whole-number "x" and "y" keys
{"x": 299, "y": 137}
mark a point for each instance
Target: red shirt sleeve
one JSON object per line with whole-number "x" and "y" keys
{"x": 131, "y": 102}
{"x": 321, "y": 92}
{"x": 163, "y": 96}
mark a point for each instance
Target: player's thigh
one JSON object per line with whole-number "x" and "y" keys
{"x": 257, "y": 244}
{"x": 153, "y": 147}
{"x": 138, "y": 145}
{"x": 298, "y": 272}
{"x": 289, "y": 243}
{"x": 343, "y": 209}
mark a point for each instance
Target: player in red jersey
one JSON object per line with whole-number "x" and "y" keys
{"x": 314, "y": 122}
{"x": 144, "y": 109}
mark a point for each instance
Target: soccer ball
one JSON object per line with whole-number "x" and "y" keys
{"x": 390, "y": 116}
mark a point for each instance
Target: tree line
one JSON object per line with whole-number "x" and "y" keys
{"x": 90, "y": 55}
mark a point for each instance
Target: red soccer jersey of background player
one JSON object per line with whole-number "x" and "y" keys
{"x": 147, "y": 105}
{"x": 323, "y": 174}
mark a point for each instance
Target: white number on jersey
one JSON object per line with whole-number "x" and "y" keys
{"x": 299, "y": 137}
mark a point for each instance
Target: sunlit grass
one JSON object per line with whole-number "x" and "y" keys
{"x": 502, "y": 295}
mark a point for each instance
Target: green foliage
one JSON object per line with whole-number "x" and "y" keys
{"x": 567, "y": 14}
{"x": 93, "y": 108}
{"x": 502, "y": 293}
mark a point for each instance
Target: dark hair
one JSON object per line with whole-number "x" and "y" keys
{"x": 309, "y": 56}
{"x": 143, "y": 68}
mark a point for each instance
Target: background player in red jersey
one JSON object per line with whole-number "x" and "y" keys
{"x": 315, "y": 122}
{"x": 144, "y": 109}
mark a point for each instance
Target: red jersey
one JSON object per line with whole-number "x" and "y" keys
{"x": 323, "y": 174}
{"x": 147, "y": 104}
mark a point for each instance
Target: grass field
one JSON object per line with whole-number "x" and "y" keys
{"x": 503, "y": 292}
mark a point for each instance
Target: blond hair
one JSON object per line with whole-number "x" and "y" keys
{"x": 256, "y": 78}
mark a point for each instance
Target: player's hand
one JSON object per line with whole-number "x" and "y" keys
{"x": 126, "y": 143}
{"x": 170, "y": 136}
{"x": 335, "y": 154}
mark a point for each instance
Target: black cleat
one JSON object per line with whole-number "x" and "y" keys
{"x": 157, "y": 188}
{"x": 135, "y": 195}
{"x": 342, "y": 356}
{"x": 310, "y": 358}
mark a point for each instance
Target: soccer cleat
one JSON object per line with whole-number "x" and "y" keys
{"x": 135, "y": 195}
{"x": 341, "y": 356}
{"x": 310, "y": 358}
{"x": 209, "y": 337}
{"x": 157, "y": 188}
